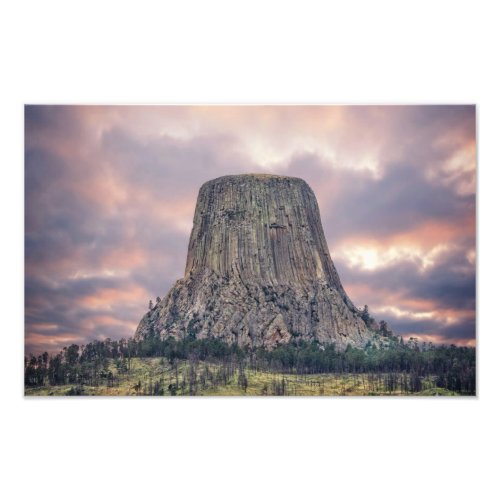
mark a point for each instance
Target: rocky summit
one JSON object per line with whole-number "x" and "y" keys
{"x": 258, "y": 271}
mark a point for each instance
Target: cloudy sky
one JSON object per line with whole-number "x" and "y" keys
{"x": 110, "y": 193}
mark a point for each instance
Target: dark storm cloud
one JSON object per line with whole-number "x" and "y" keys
{"x": 58, "y": 122}
{"x": 464, "y": 330}
{"x": 72, "y": 309}
{"x": 449, "y": 284}
{"x": 401, "y": 199}
{"x": 448, "y": 287}
{"x": 361, "y": 204}
{"x": 58, "y": 222}
{"x": 408, "y": 326}
{"x": 435, "y": 330}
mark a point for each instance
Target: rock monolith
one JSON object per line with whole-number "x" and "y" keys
{"x": 258, "y": 271}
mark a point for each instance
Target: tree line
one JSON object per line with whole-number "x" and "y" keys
{"x": 405, "y": 364}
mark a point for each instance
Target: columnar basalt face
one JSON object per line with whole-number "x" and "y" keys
{"x": 258, "y": 270}
{"x": 265, "y": 228}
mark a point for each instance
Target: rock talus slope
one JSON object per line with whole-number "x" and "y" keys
{"x": 258, "y": 270}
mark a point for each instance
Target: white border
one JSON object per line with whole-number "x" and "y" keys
{"x": 259, "y": 52}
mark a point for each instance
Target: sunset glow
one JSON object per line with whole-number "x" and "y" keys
{"x": 111, "y": 191}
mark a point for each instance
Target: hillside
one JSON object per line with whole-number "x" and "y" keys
{"x": 155, "y": 377}
{"x": 212, "y": 367}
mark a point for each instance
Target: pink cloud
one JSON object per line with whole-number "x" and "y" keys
{"x": 110, "y": 195}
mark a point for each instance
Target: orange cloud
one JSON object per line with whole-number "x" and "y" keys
{"x": 424, "y": 238}
{"x": 106, "y": 298}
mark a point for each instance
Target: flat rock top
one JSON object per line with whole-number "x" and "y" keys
{"x": 252, "y": 177}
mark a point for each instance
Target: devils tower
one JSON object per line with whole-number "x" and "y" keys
{"x": 258, "y": 270}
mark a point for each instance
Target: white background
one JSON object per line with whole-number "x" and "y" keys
{"x": 230, "y": 52}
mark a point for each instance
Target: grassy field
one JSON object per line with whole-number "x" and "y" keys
{"x": 155, "y": 376}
